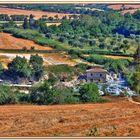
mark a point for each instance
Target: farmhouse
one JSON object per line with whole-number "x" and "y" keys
{"x": 97, "y": 74}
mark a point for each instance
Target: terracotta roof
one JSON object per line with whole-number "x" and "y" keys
{"x": 97, "y": 70}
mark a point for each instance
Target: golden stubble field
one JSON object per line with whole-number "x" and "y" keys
{"x": 7, "y": 41}
{"x": 116, "y": 118}
{"x": 37, "y": 14}
{"x": 118, "y": 57}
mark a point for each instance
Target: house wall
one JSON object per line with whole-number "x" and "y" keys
{"x": 98, "y": 76}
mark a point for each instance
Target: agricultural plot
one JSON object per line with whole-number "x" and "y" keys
{"x": 128, "y": 8}
{"x": 49, "y": 58}
{"x": 119, "y": 6}
{"x": 117, "y": 118}
{"x": 118, "y": 57}
{"x": 7, "y": 41}
{"x": 37, "y": 14}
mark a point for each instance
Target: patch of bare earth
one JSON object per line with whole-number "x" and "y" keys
{"x": 116, "y": 118}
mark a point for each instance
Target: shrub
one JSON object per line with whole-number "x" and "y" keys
{"x": 44, "y": 94}
{"x": 89, "y": 93}
{"x": 6, "y": 95}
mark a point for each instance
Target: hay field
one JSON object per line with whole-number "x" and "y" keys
{"x": 118, "y": 57}
{"x": 37, "y": 14}
{"x": 116, "y": 118}
{"x": 7, "y": 41}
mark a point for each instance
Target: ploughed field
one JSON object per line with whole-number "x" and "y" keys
{"x": 37, "y": 14}
{"x": 116, "y": 118}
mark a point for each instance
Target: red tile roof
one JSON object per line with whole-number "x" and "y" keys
{"x": 97, "y": 69}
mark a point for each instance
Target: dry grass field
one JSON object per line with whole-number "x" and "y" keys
{"x": 7, "y": 41}
{"x": 118, "y": 57}
{"x": 118, "y": 117}
{"x": 37, "y": 14}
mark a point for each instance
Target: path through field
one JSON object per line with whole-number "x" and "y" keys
{"x": 116, "y": 118}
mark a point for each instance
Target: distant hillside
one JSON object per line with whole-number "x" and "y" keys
{"x": 67, "y": 8}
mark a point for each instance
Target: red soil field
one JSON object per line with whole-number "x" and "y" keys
{"x": 116, "y": 118}
{"x": 37, "y": 14}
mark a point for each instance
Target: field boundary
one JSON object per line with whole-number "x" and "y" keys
{"x": 30, "y": 51}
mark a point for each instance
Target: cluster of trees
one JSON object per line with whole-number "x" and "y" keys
{"x": 94, "y": 30}
{"x": 108, "y": 31}
{"x": 5, "y": 17}
{"x": 133, "y": 76}
{"x": 31, "y": 23}
{"x": 61, "y": 95}
{"x": 102, "y": 23}
{"x": 44, "y": 94}
{"x": 118, "y": 65}
{"x": 20, "y": 67}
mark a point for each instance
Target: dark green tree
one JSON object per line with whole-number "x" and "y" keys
{"x": 89, "y": 93}
{"x": 36, "y": 62}
{"x": 26, "y": 23}
{"x": 20, "y": 67}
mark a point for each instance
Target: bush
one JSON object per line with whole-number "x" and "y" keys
{"x": 89, "y": 93}
{"x": 7, "y": 96}
{"x": 44, "y": 94}
{"x": 64, "y": 95}
{"x": 41, "y": 94}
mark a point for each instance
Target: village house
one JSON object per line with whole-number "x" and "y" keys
{"x": 97, "y": 74}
